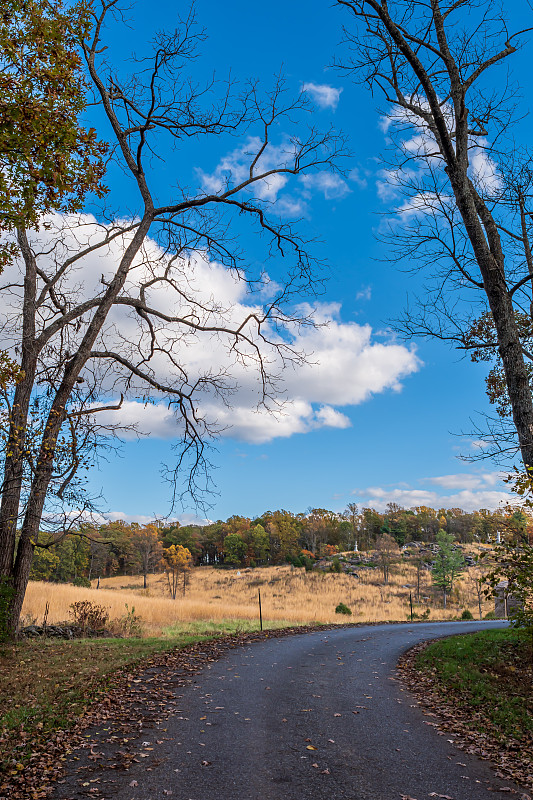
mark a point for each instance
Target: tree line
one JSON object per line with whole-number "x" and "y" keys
{"x": 275, "y": 537}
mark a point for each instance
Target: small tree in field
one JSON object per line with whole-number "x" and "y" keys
{"x": 449, "y": 564}
{"x": 387, "y": 553}
{"x": 477, "y": 581}
{"x": 148, "y": 548}
{"x": 178, "y": 564}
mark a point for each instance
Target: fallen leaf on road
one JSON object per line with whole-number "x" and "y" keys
{"x": 325, "y": 772}
{"x": 310, "y": 747}
{"x": 315, "y": 766}
{"x": 444, "y": 796}
{"x": 337, "y": 715}
{"x": 133, "y": 783}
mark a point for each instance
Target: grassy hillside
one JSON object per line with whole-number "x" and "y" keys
{"x": 289, "y": 596}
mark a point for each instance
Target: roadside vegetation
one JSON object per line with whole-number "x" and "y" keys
{"x": 491, "y": 673}
{"x": 479, "y": 688}
{"x": 47, "y": 685}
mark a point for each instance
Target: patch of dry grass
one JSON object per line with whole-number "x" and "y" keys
{"x": 289, "y": 596}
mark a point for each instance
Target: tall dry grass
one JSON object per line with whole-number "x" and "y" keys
{"x": 288, "y": 595}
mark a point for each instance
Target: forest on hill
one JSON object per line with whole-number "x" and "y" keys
{"x": 275, "y": 537}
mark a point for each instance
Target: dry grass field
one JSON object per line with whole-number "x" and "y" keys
{"x": 289, "y": 596}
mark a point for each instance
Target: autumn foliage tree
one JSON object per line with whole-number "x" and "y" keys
{"x": 48, "y": 161}
{"x": 178, "y": 564}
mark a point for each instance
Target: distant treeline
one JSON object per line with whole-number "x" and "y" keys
{"x": 275, "y": 537}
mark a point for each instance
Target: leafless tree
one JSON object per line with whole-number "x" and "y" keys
{"x": 461, "y": 188}
{"x": 105, "y": 308}
{"x": 387, "y": 553}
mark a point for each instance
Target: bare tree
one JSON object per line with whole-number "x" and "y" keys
{"x": 463, "y": 205}
{"x": 105, "y": 308}
{"x": 351, "y": 513}
{"x": 387, "y": 553}
{"x": 148, "y": 548}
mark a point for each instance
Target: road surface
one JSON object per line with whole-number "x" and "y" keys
{"x": 318, "y": 716}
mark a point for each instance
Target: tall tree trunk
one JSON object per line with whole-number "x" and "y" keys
{"x": 16, "y": 441}
{"x": 19, "y": 571}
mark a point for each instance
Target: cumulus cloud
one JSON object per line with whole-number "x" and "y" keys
{"x": 234, "y": 168}
{"x": 323, "y": 95}
{"x": 346, "y": 367}
{"x": 466, "y": 480}
{"x": 473, "y": 491}
{"x": 346, "y": 362}
{"x": 418, "y": 144}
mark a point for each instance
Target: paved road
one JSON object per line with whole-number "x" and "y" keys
{"x": 246, "y": 724}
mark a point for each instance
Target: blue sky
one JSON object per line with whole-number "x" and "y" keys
{"x": 393, "y": 435}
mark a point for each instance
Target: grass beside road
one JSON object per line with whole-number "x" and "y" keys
{"x": 47, "y": 684}
{"x": 488, "y": 676}
{"x": 479, "y": 689}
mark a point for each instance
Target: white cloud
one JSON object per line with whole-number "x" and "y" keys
{"x": 186, "y": 518}
{"x": 330, "y": 184}
{"x": 345, "y": 364}
{"x": 234, "y": 168}
{"x": 323, "y": 95}
{"x": 474, "y": 491}
{"x": 355, "y": 176}
{"x": 364, "y": 294}
{"x": 467, "y": 481}
{"x": 479, "y": 444}
{"x": 483, "y": 170}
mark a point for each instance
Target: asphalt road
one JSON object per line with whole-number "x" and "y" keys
{"x": 244, "y": 728}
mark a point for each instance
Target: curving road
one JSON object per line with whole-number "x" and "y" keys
{"x": 246, "y": 724}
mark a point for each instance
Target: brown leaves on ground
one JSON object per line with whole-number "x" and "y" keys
{"x": 34, "y": 755}
{"x": 512, "y": 759}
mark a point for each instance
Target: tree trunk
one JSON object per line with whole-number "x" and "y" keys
{"x": 19, "y": 571}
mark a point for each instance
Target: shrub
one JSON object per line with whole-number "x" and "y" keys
{"x": 82, "y": 581}
{"x": 490, "y": 615}
{"x": 130, "y": 624}
{"x": 426, "y": 614}
{"x": 307, "y": 563}
{"x": 467, "y": 614}
{"x": 336, "y": 566}
{"x": 343, "y": 609}
{"x": 89, "y": 615}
